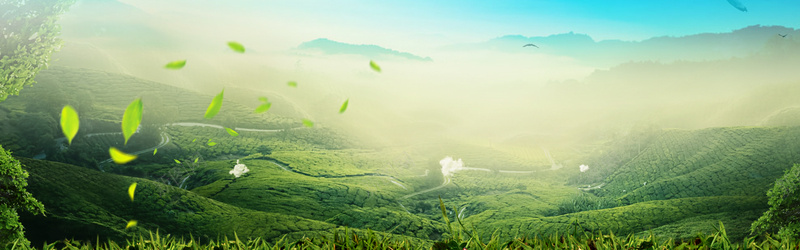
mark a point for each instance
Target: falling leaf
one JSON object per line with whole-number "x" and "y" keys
{"x": 215, "y": 105}
{"x": 177, "y": 161}
{"x": 238, "y": 47}
{"x": 344, "y": 106}
{"x": 131, "y": 189}
{"x": 69, "y": 122}
{"x": 155, "y": 151}
{"x": 308, "y": 123}
{"x": 120, "y": 157}
{"x": 263, "y": 99}
{"x": 195, "y": 139}
{"x": 263, "y": 108}
{"x": 292, "y": 84}
{"x": 374, "y": 66}
{"x": 195, "y": 160}
{"x": 131, "y": 119}
{"x": 176, "y": 64}
{"x": 212, "y": 143}
{"x": 231, "y": 132}
{"x": 131, "y": 223}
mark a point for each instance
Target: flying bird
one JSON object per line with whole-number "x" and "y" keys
{"x": 738, "y": 4}
{"x": 783, "y": 35}
{"x": 529, "y": 45}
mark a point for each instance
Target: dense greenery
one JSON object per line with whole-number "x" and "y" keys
{"x": 783, "y": 215}
{"x": 13, "y": 198}
{"x": 30, "y": 35}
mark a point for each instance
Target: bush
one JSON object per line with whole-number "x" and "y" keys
{"x": 783, "y": 215}
{"x": 13, "y": 196}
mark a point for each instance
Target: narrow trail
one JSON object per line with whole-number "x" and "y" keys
{"x": 165, "y": 139}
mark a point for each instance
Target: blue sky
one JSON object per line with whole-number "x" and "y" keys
{"x": 427, "y": 22}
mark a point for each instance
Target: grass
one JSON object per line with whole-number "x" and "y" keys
{"x": 461, "y": 238}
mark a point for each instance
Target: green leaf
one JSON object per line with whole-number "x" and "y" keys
{"x": 195, "y": 139}
{"x": 212, "y": 143}
{"x": 292, "y": 84}
{"x": 131, "y": 223}
{"x": 215, "y": 105}
{"x": 235, "y": 46}
{"x": 263, "y": 99}
{"x": 195, "y": 160}
{"x": 154, "y": 151}
{"x": 131, "y": 119}
{"x": 69, "y": 122}
{"x": 231, "y": 132}
{"x": 120, "y": 157}
{"x": 131, "y": 189}
{"x": 374, "y": 66}
{"x": 177, "y": 161}
{"x": 344, "y": 106}
{"x": 263, "y": 108}
{"x": 176, "y": 64}
{"x": 308, "y": 123}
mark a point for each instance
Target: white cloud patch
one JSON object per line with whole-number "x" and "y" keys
{"x": 449, "y": 166}
{"x": 239, "y": 169}
{"x": 584, "y": 168}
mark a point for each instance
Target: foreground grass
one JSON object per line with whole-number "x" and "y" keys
{"x": 344, "y": 239}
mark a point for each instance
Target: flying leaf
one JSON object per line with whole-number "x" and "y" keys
{"x": 238, "y": 47}
{"x": 231, "y": 132}
{"x": 212, "y": 143}
{"x": 195, "y": 160}
{"x": 292, "y": 84}
{"x": 374, "y": 66}
{"x": 120, "y": 157}
{"x": 131, "y": 189}
{"x": 131, "y": 223}
{"x": 155, "y": 151}
{"x": 738, "y": 5}
{"x": 131, "y": 119}
{"x": 263, "y": 99}
{"x": 176, "y": 64}
{"x": 69, "y": 122}
{"x": 263, "y": 108}
{"x": 308, "y": 123}
{"x": 344, "y": 106}
{"x": 195, "y": 139}
{"x": 215, "y": 105}
{"x": 177, "y": 161}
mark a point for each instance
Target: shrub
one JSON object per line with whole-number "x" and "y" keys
{"x": 13, "y": 196}
{"x": 783, "y": 215}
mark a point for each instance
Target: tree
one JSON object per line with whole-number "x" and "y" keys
{"x": 783, "y": 215}
{"x": 29, "y": 31}
{"x": 13, "y": 196}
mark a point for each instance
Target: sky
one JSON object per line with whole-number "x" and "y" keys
{"x": 445, "y": 22}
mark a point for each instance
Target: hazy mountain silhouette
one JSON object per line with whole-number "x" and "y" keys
{"x": 705, "y": 46}
{"x": 370, "y": 51}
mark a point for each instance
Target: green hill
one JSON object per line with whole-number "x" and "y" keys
{"x": 83, "y": 204}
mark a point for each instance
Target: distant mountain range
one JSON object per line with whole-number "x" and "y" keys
{"x": 698, "y": 47}
{"x": 331, "y": 47}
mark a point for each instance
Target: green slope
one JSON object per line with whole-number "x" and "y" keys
{"x": 357, "y": 199}
{"x": 741, "y": 161}
{"x": 83, "y": 203}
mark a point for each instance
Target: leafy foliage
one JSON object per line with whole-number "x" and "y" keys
{"x": 235, "y": 46}
{"x": 14, "y": 197}
{"x": 30, "y": 34}
{"x": 70, "y": 123}
{"x": 783, "y": 215}
{"x": 215, "y": 105}
{"x": 131, "y": 119}
{"x": 179, "y": 64}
